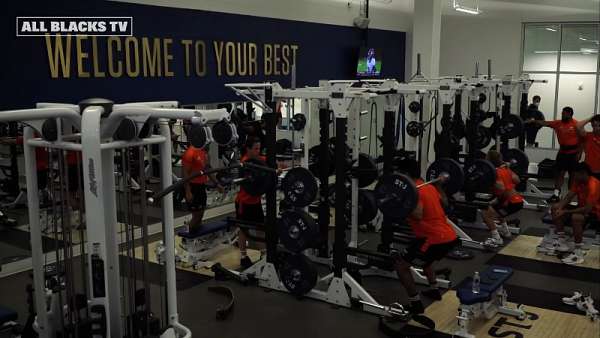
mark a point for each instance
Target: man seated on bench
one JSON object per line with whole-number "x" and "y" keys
{"x": 195, "y": 160}
{"x": 587, "y": 190}
{"x": 435, "y": 238}
{"x": 507, "y": 201}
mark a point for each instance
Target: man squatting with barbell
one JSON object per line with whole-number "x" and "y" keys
{"x": 507, "y": 200}
{"x": 435, "y": 238}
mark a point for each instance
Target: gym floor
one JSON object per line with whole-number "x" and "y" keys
{"x": 534, "y": 284}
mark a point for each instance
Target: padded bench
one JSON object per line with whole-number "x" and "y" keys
{"x": 199, "y": 247}
{"x": 205, "y": 229}
{"x": 490, "y": 300}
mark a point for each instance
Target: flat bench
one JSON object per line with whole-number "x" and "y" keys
{"x": 206, "y": 229}
{"x": 490, "y": 300}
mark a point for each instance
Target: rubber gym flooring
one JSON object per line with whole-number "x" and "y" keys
{"x": 538, "y": 284}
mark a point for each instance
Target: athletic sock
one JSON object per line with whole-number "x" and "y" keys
{"x": 556, "y": 192}
{"x": 495, "y": 234}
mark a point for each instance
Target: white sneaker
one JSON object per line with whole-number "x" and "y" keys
{"x": 587, "y": 305}
{"x": 550, "y": 238}
{"x": 546, "y": 249}
{"x": 573, "y": 300}
{"x": 560, "y": 245}
{"x": 504, "y": 231}
{"x": 493, "y": 242}
{"x": 573, "y": 259}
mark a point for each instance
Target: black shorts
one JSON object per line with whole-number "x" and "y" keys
{"x": 74, "y": 177}
{"x": 509, "y": 209}
{"x": 198, "y": 197}
{"x": 591, "y": 219}
{"x": 565, "y": 162}
{"x": 434, "y": 252}
{"x": 250, "y": 212}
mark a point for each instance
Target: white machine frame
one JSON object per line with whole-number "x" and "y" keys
{"x": 97, "y": 151}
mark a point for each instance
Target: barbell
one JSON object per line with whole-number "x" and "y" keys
{"x": 397, "y": 196}
{"x": 299, "y": 186}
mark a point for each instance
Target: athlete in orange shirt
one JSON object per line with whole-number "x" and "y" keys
{"x": 507, "y": 201}
{"x": 570, "y": 147}
{"x": 435, "y": 238}
{"x": 587, "y": 190}
{"x": 591, "y": 144}
{"x": 195, "y": 160}
{"x": 249, "y": 207}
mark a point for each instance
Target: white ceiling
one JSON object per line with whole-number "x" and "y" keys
{"x": 513, "y": 9}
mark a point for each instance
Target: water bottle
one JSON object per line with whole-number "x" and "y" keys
{"x": 476, "y": 282}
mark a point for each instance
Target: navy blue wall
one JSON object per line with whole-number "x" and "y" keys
{"x": 325, "y": 52}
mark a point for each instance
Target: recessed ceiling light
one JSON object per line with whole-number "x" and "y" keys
{"x": 469, "y": 10}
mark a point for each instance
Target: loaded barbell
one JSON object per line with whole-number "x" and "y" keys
{"x": 299, "y": 185}
{"x": 396, "y": 194}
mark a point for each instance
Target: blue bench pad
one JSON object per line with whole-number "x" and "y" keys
{"x": 205, "y": 229}
{"x": 491, "y": 280}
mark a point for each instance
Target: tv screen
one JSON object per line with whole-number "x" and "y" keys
{"x": 369, "y": 62}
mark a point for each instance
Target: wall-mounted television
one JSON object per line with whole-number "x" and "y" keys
{"x": 369, "y": 62}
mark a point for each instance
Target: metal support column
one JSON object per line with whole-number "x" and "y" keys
{"x": 341, "y": 195}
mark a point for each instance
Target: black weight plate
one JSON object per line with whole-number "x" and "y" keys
{"x": 298, "y": 122}
{"x": 50, "y": 130}
{"x": 367, "y": 206}
{"x": 283, "y": 147}
{"x": 223, "y": 133}
{"x": 256, "y": 181}
{"x": 367, "y": 170}
{"x": 452, "y": 168}
{"x": 126, "y": 131}
{"x": 511, "y": 126}
{"x": 414, "y": 107}
{"x": 314, "y": 160}
{"x": 332, "y": 146}
{"x": 482, "y": 98}
{"x": 414, "y": 129}
{"x": 299, "y": 187}
{"x": 480, "y": 138}
{"x": 198, "y": 135}
{"x": 518, "y": 161}
{"x": 147, "y": 128}
{"x": 297, "y": 273}
{"x": 297, "y": 230}
{"x": 480, "y": 176}
{"x": 396, "y": 195}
